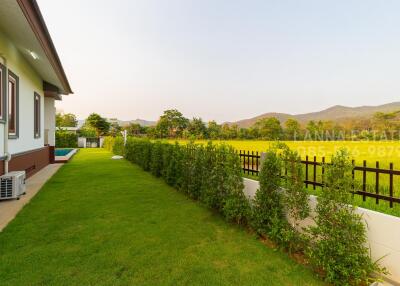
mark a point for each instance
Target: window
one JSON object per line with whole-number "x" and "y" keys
{"x": 36, "y": 112}
{"x": 12, "y": 105}
{"x": 2, "y": 91}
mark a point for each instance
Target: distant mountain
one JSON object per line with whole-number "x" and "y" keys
{"x": 141, "y": 122}
{"x": 124, "y": 123}
{"x": 335, "y": 113}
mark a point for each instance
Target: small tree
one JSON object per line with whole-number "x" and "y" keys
{"x": 339, "y": 237}
{"x": 295, "y": 200}
{"x": 267, "y": 213}
{"x": 236, "y": 207}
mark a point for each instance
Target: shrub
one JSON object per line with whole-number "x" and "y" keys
{"x": 173, "y": 164}
{"x": 268, "y": 217}
{"x": 108, "y": 143}
{"x": 295, "y": 201}
{"x": 156, "y": 160}
{"x": 66, "y": 139}
{"x": 187, "y": 178}
{"x": 118, "y": 147}
{"x": 339, "y": 237}
{"x": 214, "y": 193}
{"x": 236, "y": 207}
{"x": 223, "y": 188}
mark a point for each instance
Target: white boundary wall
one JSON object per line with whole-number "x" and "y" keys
{"x": 383, "y": 232}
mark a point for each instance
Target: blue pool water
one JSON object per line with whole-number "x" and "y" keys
{"x": 62, "y": 152}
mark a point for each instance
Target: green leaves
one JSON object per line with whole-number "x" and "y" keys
{"x": 339, "y": 237}
{"x": 267, "y": 211}
{"x": 335, "y": 246}
{"x": 66, "y": 139}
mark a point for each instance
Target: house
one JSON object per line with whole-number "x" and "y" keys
{"x": 32, "y": 79}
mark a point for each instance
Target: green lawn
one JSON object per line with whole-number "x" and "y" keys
{"x": 105, "y": 222}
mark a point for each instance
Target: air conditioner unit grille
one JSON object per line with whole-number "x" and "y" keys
{"x": 6, "y": 188}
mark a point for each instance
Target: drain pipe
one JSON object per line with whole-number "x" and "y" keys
{"x": 5, "y": 146}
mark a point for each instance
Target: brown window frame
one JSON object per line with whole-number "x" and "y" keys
{"x": 36, "y": 115}
{"x": 13, "y": 105}
{"x": 3, "y": 84}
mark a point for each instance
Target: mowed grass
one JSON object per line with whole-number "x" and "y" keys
{"x": 106, "y": 222}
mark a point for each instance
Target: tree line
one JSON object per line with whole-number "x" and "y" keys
{"x": 173, "y": 125}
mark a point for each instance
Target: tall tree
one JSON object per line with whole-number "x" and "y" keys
{"x": 385, "y": 123}
{"x": 115, "y": 129}
{"x": 171, "y": 124}
{"x": 270, "y": 128}
{"x": 134, "y": 129}
{"x": 213, "y": 130}
{"x": 197, "y": 128}
{"x": 98, "y": 123}
{"x": 312, "y": 130}
{"x": 66, "y": 120}
{"x": 292, "y": 129}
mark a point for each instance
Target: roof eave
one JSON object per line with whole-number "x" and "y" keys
{"x": 35, "y": 19}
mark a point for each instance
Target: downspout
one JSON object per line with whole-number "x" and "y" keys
{"x": 5, "y": 108}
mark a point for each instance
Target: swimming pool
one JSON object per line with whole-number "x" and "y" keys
{"x": 62, "y": 152}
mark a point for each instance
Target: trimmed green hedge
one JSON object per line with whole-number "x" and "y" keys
{"x": 66, "y": 139}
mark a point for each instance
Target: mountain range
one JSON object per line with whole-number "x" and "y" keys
{"x": 141, "y": 122}
{"x": 124, "y": 123}
{"x": 335, "y": 113}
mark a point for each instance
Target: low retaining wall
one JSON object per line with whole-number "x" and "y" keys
{"x": 383, "y": 232}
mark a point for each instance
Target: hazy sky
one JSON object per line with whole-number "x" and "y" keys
{"x": 224, "y": 59}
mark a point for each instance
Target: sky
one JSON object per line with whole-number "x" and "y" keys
{"x": 224, "y": 59}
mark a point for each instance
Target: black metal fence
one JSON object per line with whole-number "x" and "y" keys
{"x": 369, "y": 182}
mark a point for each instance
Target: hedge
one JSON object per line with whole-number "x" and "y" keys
{"x": 66, "y": 139}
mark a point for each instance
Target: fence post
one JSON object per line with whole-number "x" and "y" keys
{"x": 257, "y": 163}
{"x": 353, "y": 176}
{"x": 248, "y": 162}
{"x": 323, "y": 172}
{"x": 391, "y": 185}
{"x": 364, "y": 179}
{"x": 377, "y": 181}
{"x": 306, "y": 172}
{"x": 252, "y": 162}
{"x": 315, "y": 172}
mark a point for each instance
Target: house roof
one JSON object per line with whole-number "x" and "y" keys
{"x": 23, "y": 22}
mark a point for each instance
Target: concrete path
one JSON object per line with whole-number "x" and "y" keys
{"x": 10, "y": 208}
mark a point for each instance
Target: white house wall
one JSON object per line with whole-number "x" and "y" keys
{"x": 29, "y": 82}
{"x": 49, "y": 121}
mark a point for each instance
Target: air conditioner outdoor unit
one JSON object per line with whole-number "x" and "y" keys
{"x": 12, "y": 185}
